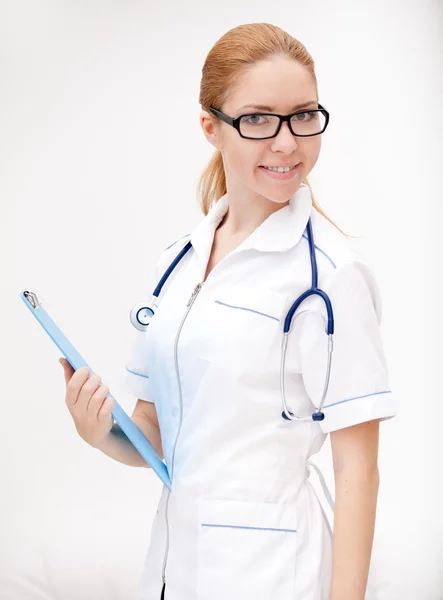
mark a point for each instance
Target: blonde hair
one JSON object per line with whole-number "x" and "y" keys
{"x": 229, "y": 59}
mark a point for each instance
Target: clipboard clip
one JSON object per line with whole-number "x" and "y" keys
{"x": 31, "y": 298}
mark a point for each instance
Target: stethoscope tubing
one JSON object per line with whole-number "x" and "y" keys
{"x": 141, "y": 314}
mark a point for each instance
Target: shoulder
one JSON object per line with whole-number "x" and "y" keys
{"x": 171, "y": 251}
{"x": 332, "y": 247}
{"x": 179, "y": 242}
{"x": 341, "y": 264}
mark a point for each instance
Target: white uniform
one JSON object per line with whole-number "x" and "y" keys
{"x": 241, "y": 522}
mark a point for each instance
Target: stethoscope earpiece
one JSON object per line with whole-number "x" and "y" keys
{"x": 318, "y": 416}
{"x": 285, "y": 416}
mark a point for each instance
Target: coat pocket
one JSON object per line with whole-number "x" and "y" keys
{"x": 246, "y": 550}
{"x": 242, "y": 327}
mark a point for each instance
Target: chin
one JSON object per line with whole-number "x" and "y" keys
{"x": 280, "y": 191}
{"x": 281, "y": 196}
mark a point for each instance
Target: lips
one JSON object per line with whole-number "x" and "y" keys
{"x": 283, "y": 166}
{"x": 280, "y": 175}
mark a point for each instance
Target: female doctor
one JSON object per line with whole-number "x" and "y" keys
{"x": 242, "y": 521}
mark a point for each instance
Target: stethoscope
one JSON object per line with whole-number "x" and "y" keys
{"x": 141, "y": 316}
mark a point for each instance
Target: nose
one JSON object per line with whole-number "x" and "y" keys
{"x": 284, "y": 140}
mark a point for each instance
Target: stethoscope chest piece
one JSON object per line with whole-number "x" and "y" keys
{"x": 141, "y": 316}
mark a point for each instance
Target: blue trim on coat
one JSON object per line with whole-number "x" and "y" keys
{"x": 357, "y": 398}
{"x": 322, "y": 251}
{"x": 139, "y": 374}
{"x": 183, "y": 236}
{"x": 247, "y": 527}
{"x": 248, "y": 309}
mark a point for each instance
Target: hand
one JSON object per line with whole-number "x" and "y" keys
{"x": 88, "y": 403}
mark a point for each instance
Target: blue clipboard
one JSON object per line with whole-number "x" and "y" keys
{"x": 124, "y": 421}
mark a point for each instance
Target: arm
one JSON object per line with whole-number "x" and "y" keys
{"x": 117, "y": 445}
{"x": 355, "y": 456}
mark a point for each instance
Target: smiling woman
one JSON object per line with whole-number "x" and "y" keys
{"x": 271, "y": 66}
{"x": 241, "y": 520}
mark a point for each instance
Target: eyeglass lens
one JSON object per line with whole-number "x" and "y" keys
{"x": 303, "y": 123}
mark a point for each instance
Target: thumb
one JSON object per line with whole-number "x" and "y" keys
{"x": 67, "y": 368}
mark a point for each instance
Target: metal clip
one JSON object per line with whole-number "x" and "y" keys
{"x": 31, "y": 298}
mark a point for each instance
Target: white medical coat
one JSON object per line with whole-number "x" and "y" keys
{"x": 241, "y": 522}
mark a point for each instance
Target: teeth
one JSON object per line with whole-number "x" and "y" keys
{"x": 280, "y": 169}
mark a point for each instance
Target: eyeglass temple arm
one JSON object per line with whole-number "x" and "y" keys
{"x": 224, "y": 117}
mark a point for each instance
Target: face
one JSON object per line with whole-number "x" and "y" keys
{"x": 282, "y": 84}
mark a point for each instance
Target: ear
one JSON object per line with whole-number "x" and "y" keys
{"x": 210, "y": 129}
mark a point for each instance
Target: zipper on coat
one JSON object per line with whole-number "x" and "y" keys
{"x": 188, "y": 308}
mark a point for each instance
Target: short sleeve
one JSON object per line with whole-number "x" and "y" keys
{"x": 359, "y": 388}
{"x": 135, "y": 378}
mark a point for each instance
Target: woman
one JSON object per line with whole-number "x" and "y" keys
{"x": 241, "y": 521}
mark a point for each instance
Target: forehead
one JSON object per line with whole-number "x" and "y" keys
{"x": 280, "y": 83}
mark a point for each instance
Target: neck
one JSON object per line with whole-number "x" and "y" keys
{"x": 242, "y": 218}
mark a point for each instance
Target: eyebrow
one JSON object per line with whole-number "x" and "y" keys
{"x": 271, "y": 108}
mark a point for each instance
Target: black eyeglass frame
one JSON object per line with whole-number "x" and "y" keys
{"x": 236, "y": 122}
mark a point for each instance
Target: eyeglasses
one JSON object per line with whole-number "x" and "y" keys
{"x": 262, "y": 126}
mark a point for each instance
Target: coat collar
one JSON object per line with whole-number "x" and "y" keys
{"x": 281, "y": 231}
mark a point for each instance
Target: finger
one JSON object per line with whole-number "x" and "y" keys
{"x": 106, "y": 409}
{"x": 97, "y": 400}
{"x": 68, "y": 371}
{"x": 75, "y": 385}
{"x": 88, "y": 389}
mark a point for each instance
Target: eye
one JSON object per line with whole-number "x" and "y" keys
{"x": 251, "y": 122}
{"x": 310, "y": 116}
{"x": 302, "y": 114}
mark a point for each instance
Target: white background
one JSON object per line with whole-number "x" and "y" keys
{"x": 100, "y": 154}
